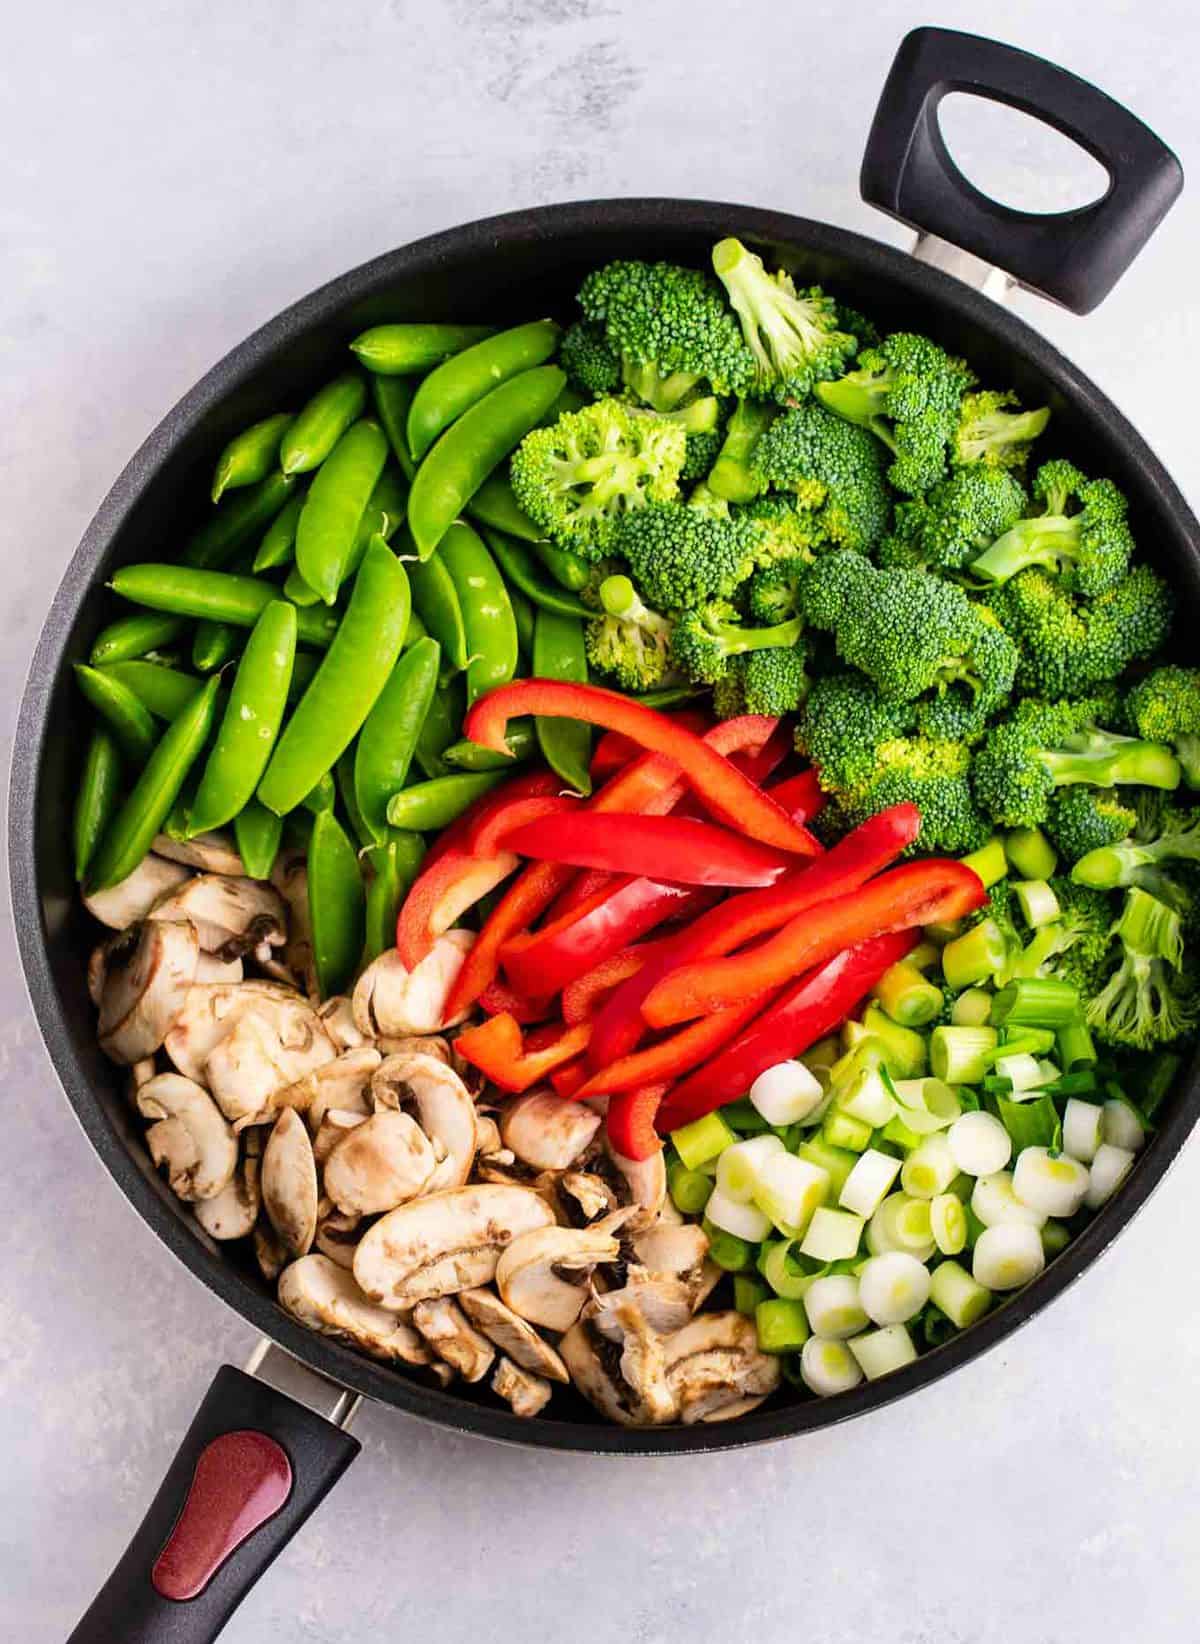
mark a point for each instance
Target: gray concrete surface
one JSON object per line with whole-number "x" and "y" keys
{"x": 172, "y": 175}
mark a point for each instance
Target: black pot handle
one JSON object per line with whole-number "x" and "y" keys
{"x": 252, "y": 1468}
{"x": 1073, "y": 257}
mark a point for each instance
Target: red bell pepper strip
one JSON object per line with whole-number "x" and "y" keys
{"x": 442, "y": 893}
{"x": 917, "y": 893}
{"x": 490, "y": 833}
{"x": 675, "y": 848}
{"x": 679, "y": 1053}
{"x": 527, "y": 785}
{"x": 497, "y": 999}
{"x": 802, "y": 796}
{"x": 760, "y": 763}
{"x": 812, "y": 1007}
{"x": 498, "y": 1050}
{"x": 581, "y": 998}
{"x": 529, "y": 895}
{"x": 566, "y": 1080}
{"x": 727, "y": 793}
{"x": 614, "y": 749}
{"x": 629, "y": 1122}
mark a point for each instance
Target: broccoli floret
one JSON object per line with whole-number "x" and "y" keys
{"x": 587, "y": 359}
{"x": 990, "y": 432}
{"x": 1069, "y": 645}
{"x": 844, "y": 723}
{"x": 773, "y": 593}
{"x": 864, "y": 331}
{"x": 1084, "y": 819}
{"x": 630, "y": 641}
{"x": 934, "y": 777}
{"x": 732, "y": 476}
{"x": 1165, "y": 707}
{"x": 682, "y": 556}
{"x": 1075, "y": 947}
{"x": 1042, "y": 746}
{"x": 1126, "y": 861}
{"x": 835, "y": 470}
{"x": 1081, "y": 534}
{"x": 703, "y": 449}
{"x": 908, "y": 392}
{"x": 672, "y": 319}
{"x": 955, "y": 714}
{"x": 706, "y": 637}
{"x": 1147, "y": 1000}
{"x": 793, "y": 335}
{"x": 774, "y": 681}
{"x": 955, "y": 520}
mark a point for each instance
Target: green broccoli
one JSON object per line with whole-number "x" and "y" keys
{"x": 683, "y": 555}
{"x": 587, "y": 359}
{"x": 630, "y": 641}
{"x": 956, "y": 519}
{"x": 1147, "y": 1000}
{"x": 732, "y": 476}
{"x": 1084, "y": 819}
{"x": 703, "y": 448}
{"x": 834, "y": 468}
{"x": 673, "y": 320}
{"x": 707, "y": 636}
{"x": 864, "y": 331}
{"x": 909, "y": 393}
{"x": 773, "y": 681}
{"x": 1081, "y": 535}
{"x": 1136, "y": 861}
{"x": 934, "y": 777}
{"x": 1074, "y": 948}
{"x": 1165, "y": 707}
{"x": 1069, "y": 645}
{"x": 844, "y": 723}
{"x": 793, "y": 335}
{"x": 1042, "y": 746}
{"x": 581, "y": 476}
{"x": 773, "y": 593}
{"x": 991, "y": 433}
{"x": 954, "y": 714}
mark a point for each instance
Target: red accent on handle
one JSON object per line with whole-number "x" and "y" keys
{"x": 241, "y": 1480}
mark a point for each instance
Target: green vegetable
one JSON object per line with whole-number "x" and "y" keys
{"x": 690, "y": 1189}
{"x": 163, "y": 690}
{"x": 569, "y": 571}
{"x": 992, "y": 434}
{"x": 589, "y": 362}
{"x": 392, "y": 397}
{"x": 333, "y": 510}
{"x": 132, "y": 636}
{"x": 390, "y": 733}
{"x": 96, "y": 800}
{"x": 629, "y": 640}
{"x": 257, "y": 832}
{"x": 962, "y": 1055}
{"x": 524, "y": 618}
{"x": 213, "y": 644}
{"x": 701, "y": 1140}
{"x": 558, "y": 653}
{"x": 989, "y": 861}
{"x": 1081, "y": 819}
{"x": 1031, "y": 853}
{"x": 469, "y": 756}
{"x": 336, "y": 904}
{"x": 394, "y": 866}
{"x": 463, "y": 380}
{"x": 322, "y": 422}
{"x": 782, "y": 1325}
{"x": 772, "y": 681}
{"x": 1081, "y": 535}
{"x": 1149, "y": 1000}
{"x": 436, "y": 600}
{"x": 747, "y": 1291}
{"x": 237, "y": 522}
{"x": 834, "y": 470}
{"x": 1035, "y": 1002}
{"x": 1069, "y": 645}
{"x": 727, "y": 1251}
{"x": 907, "y": 997}
{"x": 217, "y": 595}
{"x": 278, "y": 545}
{"x": 250, "y": 456}
{"x": 705, "y": 638}
{"x": 428, "y": 806}
{"x": 322, "y": 796}
{"x": 123, "y": 713}
{"x": 732, "y": 475}
{"x": 1165, "y": 707}
{"x": 494, "y": 505}
{"x": 681, "y": 557}
{"x": 443, "y": 724}
{"x": 520, "y": 569}
{"x": 407, "y": 350}
{"x": 793, "y": 335}
{"x": 491, "y": 630}
{"x": 955, "y": 520}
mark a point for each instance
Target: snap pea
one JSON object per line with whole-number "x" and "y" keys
{"x": 494, "y": 504}
{"x": 250, "y": 455}
{"x": 436, "y": 601}
{"x": 427, "y": 806}
{"x": 462, "y": 381}
{"x": 568, "y": 570}
{"x": 336, "y": 904}
{"x": 133, "y": 635}
{"x": 250, "y": 722}
{"x": 443, "y": 723}
{"x": 345, "y": 686}
{"x": 219, "y": 595}
{"x": 491, "y": 628}
{"x": 393, "y": 396}
{"x": 322, "y": 796}
{"x": 523, "y": 617}
{"x": 278, "y": 546}
{"x": 462, "y": 458}
{"x": 406, "y": 350}
{"x": 388, "y": 739}
{"x": 415, "y": 631}
{"x": 334, "y": 507}
{"x": 343, "y": 773}
{"x": 521, "y": 570}
{"x": 131, "y": 832}
{"x": 558, "y": 653}
{"x": 383, "y": 516}
{"x": 213, "y": 644}
{"x": 237, "y": 522}
{"x": 322, "y": 422}
{"x": 126, "y": 715}
{"x": 176, "y": 825}
{"x": 165, "y": 691}
{"x": 470, "y": 756}
{"x": 393, "y": 866}
{"x": 257, "y": 832}
{"x": 96, "y": 800}
{"x": 298, "y": 591}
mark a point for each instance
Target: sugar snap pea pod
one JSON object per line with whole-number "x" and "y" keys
{"x": 427, "y": 806}
{"x": 321, "y": 424}
{"x": 334, "y": 507}
{"x": 463, "y": 457}
{"x": 436, "y": 601}
{"x": 322, "y": 796}
{"x": 568, "y": 570}
{"x": 392, "y": 397}
{"x": 343, "y": 773}
{"x": 131, "y": 832}
{"x": 96, "y": 801}
{"x": 250, "y": 722}
{"x": 443, "y": 723}
{"x": 389, "y": 500}
{"x": 408, "y": 349}
{"x": 219, "y": 595}
{"x": 521, "y": 570}
{"x": 278, "y": 546}
{"x": 133, "y": 636}
{"x": 238, "y": 522}
{"x": 126, "y": 716}
{"x": 213, "y": 644}
{"x": 250, "y": 456}
{"x": 523, "y": 617}
{"x": 298, "y": 591}
{"x": 165, "y": 691}
{"x": 461, "y": 381}
{"x": 257, "y": 833}
{"x": 336, "y": 904}
{"x": 343, "y": 691}
{"x": 494, "y": 505}
{"x": 558, "y": 653}
{"x": 303, "y": 669}
{"x": 393, "y": 866}
{"x": 388, "y": 739}
{"x": 176, "y": 825}
{"x": 470, "y": 756}
{"x": 415, "y": 632}
{"x": 487, "y": 610}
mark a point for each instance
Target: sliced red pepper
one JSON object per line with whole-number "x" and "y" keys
{"x": 802, "y": 796}
{"x": 497, "y": 1049}
{"x": 498, "y": 999}
{"x": 918, "y": 893}
{"x": 629, "y": 1122}
{"x": 675, "y": 848}
{"x": 566, "y": 1080}
{"x": 614, "y": 749}
{"x": 442, "y": 893}
{"x": 582, "y": 998}
{"x": 529, "y": 895}
{"x": 490, "y": 833}
{"x": 727, "y": 793}
{"x": 676, "y": 1055}
{"x": 526, "y": 785}
{"x": 760, "y": 763}
{"x": 812, "y": 1007}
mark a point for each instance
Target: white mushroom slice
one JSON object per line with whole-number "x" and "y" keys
{"x": 443, "y": 1244}
{"x": 714, "y": 1362}
{"x": 124, "y": 903}
{"x": 231, "y": 916}
{"x": 512, "y": 1335}
{"x": 269, "y": 1250}
{"x": 337, "y": 1018}
{"x": 526, "y": 1394}
{"x": 148, "y": 975}
{"x": 598, "y": 1370}
{"x": 543, "y": 1274}
{"x": 337, "y": 1236}
{"x": 442, "y": 1107}
{"x": 268, "y": 1048}
{"x": 331, "y": 1131}
{"x": 487, "y": 1137}
{"x": 589, "y": 1196}
{"x": 224, "y": 972}
{"x": 289, "y": 875}
{"x": 210, "y": 852}
{"x": 423, "y": 1044}
{"x": 141, "y": 1074}
{"x": 379, "y": 1164}
{"x": 644, "y": 1183}
{"x": 342, "y": 1084}
{"x": 97, "y": 969}
{"x": 232, "y": 1213}
{"x": 633, "y": 1319}
{"x": 209, "y": 1013}
{"x": 324, "y": 1297}
{"x": 731, "y": 1412}
{"x": 190, "y": 1138}
{"x": 390, "y": 999}
{"x": 679, "y": 1252}
{"x": 289, "y": 1183}
{"x": 545, "y": 1132}
{"x": 453, "y": 1337}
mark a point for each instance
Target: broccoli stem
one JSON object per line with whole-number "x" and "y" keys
{"x": 1112, "y": 867}
{"x": 1150, "y": 929}
{"x": 621, "y": 599}
{"x": 653, "y": 389}
{"x": 1048, "y": 540}
{"x": 1102, "y": 759}
{"x": 731, "y": 476}
{"x": 739, "y": 640}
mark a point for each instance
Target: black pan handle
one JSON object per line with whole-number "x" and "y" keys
{"x": 252, "y": 1468}
{"x": 1073, "y": 257}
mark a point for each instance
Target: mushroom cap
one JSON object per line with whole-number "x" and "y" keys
{"x": 714, "y": 1362}
{"x": 531, "y": 1274}
{"x": 263, "y": 1045}
{"x": 332, "y": 1129}
{"x": 528, "y": 1394}
{"x": 289, "y": 1183}
{"x": 337, "y": 1235}
{"x": 189, "y": 1137}
{"x": 210, "y": 852}
{"x": 232, "y": 915}
{"x": 210, "y": 1011}
{"x": 148, "y": 973}
{"x": 379, "y": 1164}
{"x": 324, "y": 1296}
{"x": 289, "y": 875}
{"x": 133, "y": 897}
{"x": 443, "y": 1109}
{"x": 226, "y": 972}
{"x": 269, "y": 1250}
{"x": 337, "y": 1018}
{"x": 389, "y": 999}
{"x": 342, "y": 1084}
{"x": 593, "y": 1367}
{"x": 232, "y": 1213}
{"x": 645, "y": 1183}
{"x": 512, "y": 1334}
{"x": 453, "y": 1337}
{"x": 545, "y": 1132}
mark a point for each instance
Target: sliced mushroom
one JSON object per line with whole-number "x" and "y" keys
{"x": 224, "y": 972}
{"x": 148, "y": 975}
{"x": 389, "y": 999}
{"x": 644, "y": 1184}
{"x": 423, "y": 1044}
{"x": 664, "y": 1302}
{"x": 337, "y": 1018}
{"x": 342, "y": 1083}
{"x": 189, "y": 1137}
{"x": 598, "y": 1369}
{"x": 332, "y": 1129}
{"x": 289, "y": 875}
{"x": 453, "y": 1337}
{"x": 440, "y": 1245}
{"x": 543, "y": 1274}
{"x": 545, "y": 1132}
{"x": 526, "y": 1394}
{"x": 714, "y": 1362}
{"x": 124, "y": 903}
{"x": 442, "y": 1107}
{"x": 268, "y": 1048}
{"x": 141, "y": 1074}
{"x": 512, "y": 1335}
{"x": 584, "y": 1197}
{"x": 232, "y": 916}
{"x": 269, "y": 1251}
{"x": 209, "y": 1013}
{"x": 210, "y": 852}
{"x": 487, "y": 1137}
{"x": 633, "y": 1319}
{"x": 324, "y": 1296}
{"x": 232, "y": 1213}
{"x": 289, "y": 1183}
{"x": 337, "y": 1235}
{"x": 379, "y": 1164}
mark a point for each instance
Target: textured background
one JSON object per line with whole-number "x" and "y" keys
{"x": 173, "y": 175}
